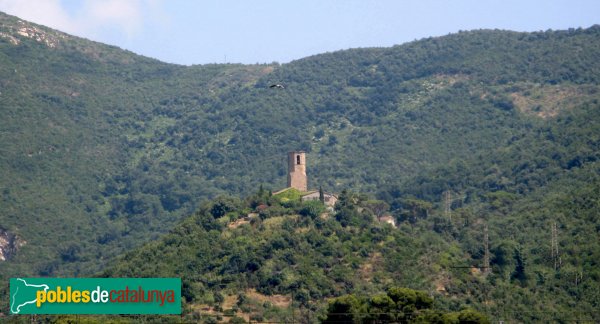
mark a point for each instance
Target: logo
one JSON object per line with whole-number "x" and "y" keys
{"x": 95, "y": 296}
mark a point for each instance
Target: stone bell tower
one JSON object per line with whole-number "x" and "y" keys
{"x": 297, "y": 170}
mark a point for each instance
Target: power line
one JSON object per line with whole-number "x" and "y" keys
{"x": 555, "y": 256}
{"x": 448, "y": 201}
{"x": 486, "y": 256}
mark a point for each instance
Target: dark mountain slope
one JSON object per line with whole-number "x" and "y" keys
{"x": 70, "y": 110}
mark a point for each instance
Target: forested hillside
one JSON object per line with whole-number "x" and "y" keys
{"x": 235, "y": 255}
{"x": 103, "y": 149}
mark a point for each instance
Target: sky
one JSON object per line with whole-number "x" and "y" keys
{"x": 265, "y": 31}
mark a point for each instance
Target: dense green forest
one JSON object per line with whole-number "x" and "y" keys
{"x": 234, "y": 255}
{"x": 477, "y": 132}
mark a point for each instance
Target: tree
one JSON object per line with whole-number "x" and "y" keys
{"x": 346, "y": 211}
{"x": 377, "y": 207}
{"x": 471, "y": 316}
{"x": 412, "y": 209}
{"x": 398, "y": 305}
{"x": 312, "y": 209}
{"x": 345, "y": 309}
{"x": 321, "y": 195}
{"x": 187, "y": 290}
{"x": 519, "y": 272}
{"x": 345, "y": 200}
{"x": 222, "y": 206}
{"x": 381, "y": 309}
{"x": 70, "y": 253}
{"x": 407, "y": 299}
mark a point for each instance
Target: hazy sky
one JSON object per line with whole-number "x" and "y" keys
{"x": 259, "y": 31}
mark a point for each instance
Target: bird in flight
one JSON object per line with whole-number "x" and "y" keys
{"x": 277, "y": 85}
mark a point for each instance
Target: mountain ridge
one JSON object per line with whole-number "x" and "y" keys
{"x": 16, "y": 30}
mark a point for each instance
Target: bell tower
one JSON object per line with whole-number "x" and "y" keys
{"x": 297, "y": 170}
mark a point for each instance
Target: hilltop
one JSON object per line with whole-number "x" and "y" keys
{"x": 236, "y": 255}
{"x": 274, "y": 258}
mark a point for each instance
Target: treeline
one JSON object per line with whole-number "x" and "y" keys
{"x": 397, "y": 305}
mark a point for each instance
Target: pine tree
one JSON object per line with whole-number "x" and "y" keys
{"x": 321, "y": 194}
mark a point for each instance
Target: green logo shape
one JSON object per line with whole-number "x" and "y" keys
{"x": 95, "y": 296}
